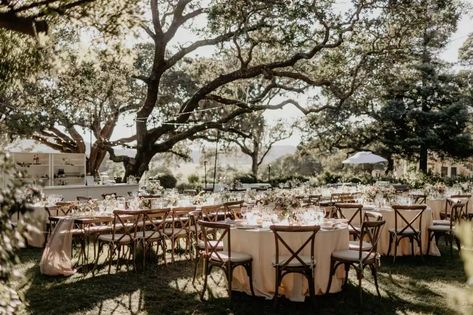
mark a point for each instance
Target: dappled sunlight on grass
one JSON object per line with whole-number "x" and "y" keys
{"x": 411, "y": 286}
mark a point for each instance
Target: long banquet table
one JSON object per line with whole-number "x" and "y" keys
{"x": 259, "y": 243}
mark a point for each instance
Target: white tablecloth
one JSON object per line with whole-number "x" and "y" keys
{"x": 260, "y": 245}
{"x": 438, "y": 206}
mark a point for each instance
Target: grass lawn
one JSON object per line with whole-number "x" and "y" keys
{"x": 411, "y": 286}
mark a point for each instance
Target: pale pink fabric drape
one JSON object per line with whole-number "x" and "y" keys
{"x": 56, "y": 259}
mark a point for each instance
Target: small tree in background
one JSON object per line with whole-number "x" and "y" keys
{"x": 14, "y": 199}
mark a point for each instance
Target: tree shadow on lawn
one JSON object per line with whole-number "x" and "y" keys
{"x": 169, "y": 290}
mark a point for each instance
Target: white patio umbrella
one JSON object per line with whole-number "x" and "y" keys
{"x": 364, "y": 157}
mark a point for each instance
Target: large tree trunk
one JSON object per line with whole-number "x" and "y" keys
{"x": 423, "y": 157}
{"x": 254, "y": 165}
{"x": 97, "y": 155}
{"x": 137, "y": 166}
{"x": 390, "y": 167}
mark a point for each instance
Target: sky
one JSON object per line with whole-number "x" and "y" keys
{"x": 290, "y": 113}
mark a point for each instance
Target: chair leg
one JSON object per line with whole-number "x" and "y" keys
{"x": 276, "y": 288}
{"x": 419, "y": 242}
{"x": 359, "y": 274}
{"x": 390, "y": 243}
{"x": 411, "y": 239}
{"x": 206, "y": 273}
{"x": 249, "y": 272}
{"x": 111, "y": 250}
{"x": 332, "y": 271}
{"x": 457, "y": 241}
{"x": 430, "y": 239}
{"x": 395, "y": 249}
{"x": 310, "y": 279}
{"x": 347, "y": 270}
{"x": 96, "y": 259}
{"x": 172, "y": 249}
{"x": 196, "y": 265}
{"x": 374, "y": 272}
{"x": 229, "y": 273}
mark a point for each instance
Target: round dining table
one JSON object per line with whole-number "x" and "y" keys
{"x": 260, "y": 244}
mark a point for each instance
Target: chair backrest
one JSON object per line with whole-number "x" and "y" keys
{"x": 280, "y": 231}
{"x": 370, "y": 232}
{"x": 181, "y": 219}
{"x": 402, "y": 223}
{"x": 64, "y": 208}
{"x": 342, "y": 197}
{"x": 233, "y": 208}
{"x": 372, "y": 216}
{"x": 222, "y": 231}
{"x": 105, "y": 195}
{"x": 465, "y": 198}
{"x": 458, "y": 212}
{"x": 352, "y": 212}
{"x": 127, "y": 224}
{"x": 154, "y": 220}
{"x": 419, "y": 199}
{"x": 214, "y": 213}
{"x": 315, "y": 199}
{"x": 83, "y": 198}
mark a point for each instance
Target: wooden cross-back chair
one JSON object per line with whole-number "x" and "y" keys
{"x": 353, "y": 213}
{"x": 315, "y": 199}
{"x": 462, "y": 198}
{"x": 214, "y": 213}
{"x": 65, "y": 207}
{"x": 447, "y": 230}
{"x": 406, "y": 228}
{"x": 360, "y": 258}
{"x": 154, "y": 224}
{"x": 233, "y": 209}
{"x": 126, "y": 228}
{"x": 296, "y": 262}
{"x": 227, "y": 260}
{"x": 112, "y": 195}
{"x": 419, "y": 199}
{"x": 180, "y": 228}
{"x": 199, "y": 242}
{"x": 342, "y": 198}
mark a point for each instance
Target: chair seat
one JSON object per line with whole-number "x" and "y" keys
{"x": 352, "y": 255}
{"x": 354, "y": 229}
{"x": 77, "y": 232}
{"x": 441, "y": 222}
{"x": 440, "y": 228}
{"x": 152, "y": 235}
{"x": 235, "y": 256}
{"x": 119, "y": 238}
{"x": 407, "y": 231}
{"x": 176, "y": 232}
{"x": 99, "y": 229}
{"x": 294, "y": 262}
{"x": 201, "y": 245}
{"x": 355, "y": 245}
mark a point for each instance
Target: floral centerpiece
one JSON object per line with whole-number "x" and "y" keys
{"x": 389, "y": 193}
{"x": 371, "y": 192}
{"x": 285, "y": 203}
{"x": 199, "y": 199}
{"x": 465, "y": 187}
{"x": 153, "y": 187}
{"x": 440, "y": 188}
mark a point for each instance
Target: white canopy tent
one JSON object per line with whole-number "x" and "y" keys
{"x": 364, "y": 157}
